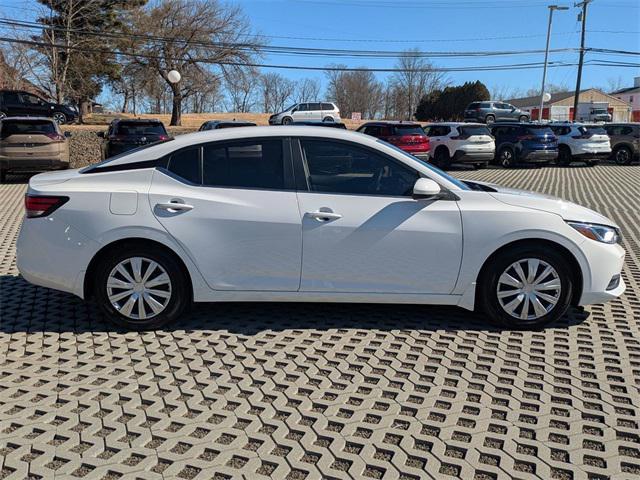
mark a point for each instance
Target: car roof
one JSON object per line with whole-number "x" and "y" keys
{"x": 206, "y": 136}
{"x": 391, "y": 122}
{"x": 456, "y": 124}
{"x": 136, "y": 120}
{"x": 23, "y": 118}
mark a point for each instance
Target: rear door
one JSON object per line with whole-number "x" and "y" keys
{"x": 315, "y": 112}
{"x": 12, "y": 105}
{"x": 233, "y": 207}
{"x": 437, "y": 136}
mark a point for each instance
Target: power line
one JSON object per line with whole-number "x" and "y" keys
{"x": 518, "y": 66}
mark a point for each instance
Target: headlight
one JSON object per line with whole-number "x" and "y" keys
{"x": 599, "y": 233}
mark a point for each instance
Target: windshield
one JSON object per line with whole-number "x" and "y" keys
{"x": 599, "y": 111}
{"x": 287, "y": 109}
{"x": 458, "y": 183}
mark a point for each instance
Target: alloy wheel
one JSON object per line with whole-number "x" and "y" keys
{"x": 529, "y": 289}
{"x": 506, "y": 157}
{"x": 59, "y": 118}
{"x": 622, "y": 156}
{"x": 139, "y": 288}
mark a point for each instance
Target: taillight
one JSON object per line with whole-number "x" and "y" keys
{"x": 163, "y": 137}
{"x": 42, "y": 205}
{"x": 56, "y": 137}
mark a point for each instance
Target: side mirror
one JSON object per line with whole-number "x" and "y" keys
{"x": 426, "y": 188}
{"x": 100, "y": 134}
{"x": 67, "y": 134}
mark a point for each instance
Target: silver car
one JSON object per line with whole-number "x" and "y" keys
{"x": 307, "y": 112}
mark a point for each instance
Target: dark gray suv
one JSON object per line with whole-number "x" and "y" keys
{"x": 489, "y": 112}
{"x": 625, "y": 142}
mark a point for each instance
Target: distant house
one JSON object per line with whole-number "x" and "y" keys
{"x": 631, "y": 95}
{"x": 560, "y": 106}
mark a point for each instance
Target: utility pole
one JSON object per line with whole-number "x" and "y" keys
{"x": 576, "y": 99}
{"x": 546, "y": 56}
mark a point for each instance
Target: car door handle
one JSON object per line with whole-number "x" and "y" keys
{"x": 324, "y": 216}
{"x": 174, "y": 206}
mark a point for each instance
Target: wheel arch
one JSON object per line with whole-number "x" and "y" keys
{"x": 89, "y": 276}
{"x": 441, "y": 148}
{"x": 576, "y": 269}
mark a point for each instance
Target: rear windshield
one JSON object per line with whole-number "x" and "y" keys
{"x": 408, "y": 130}
{"x": 140, "y": 128}
{"x": 593, "y": 130}
{"x": 474, "y": 130}
{"x": 25, "y": 127}
{"x": 539, "y": 130}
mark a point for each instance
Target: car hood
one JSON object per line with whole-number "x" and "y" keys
{"x": 538, "y": 201}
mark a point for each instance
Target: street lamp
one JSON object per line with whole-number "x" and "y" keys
{"x": 546, "y": 55}
{"x": 174, "y": 76}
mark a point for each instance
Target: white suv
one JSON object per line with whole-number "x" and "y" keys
{"x": 577, "y": 141}
{"x": 460, "y": 143}
{"x": 307, "y": 112}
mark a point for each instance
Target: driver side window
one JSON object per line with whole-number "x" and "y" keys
{"x": 338, "y": 167}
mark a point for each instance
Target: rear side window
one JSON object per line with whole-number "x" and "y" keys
{"x": 314, "y": 107}
{"x": 596, "y": 130}
{"x": 250, "y": 164}
{"x": 26, "y": 127}
{"x": 438, "y": 131}
{"x": 303, "y": 107}
{"x": 327, "y": 106}
{"x": 140, "y": 128}
{"x": 485, "y": 105}
{"x": 539, "y": 130}
{"x": 11, "y": 98}
{"x": 408, "y": 130}
{"x": 474, "y": 105}
{"x": 186, "y": 164}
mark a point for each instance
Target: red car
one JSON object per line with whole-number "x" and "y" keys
{"x": 408, "y": 136}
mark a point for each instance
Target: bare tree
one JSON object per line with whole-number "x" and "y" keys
{"x": 355, "y": 91}
{"x": 416, "y": 77}
{"x": 275, "y": 90}
{"x": 307, "y": 90}
{"x": 505, "y": 92}
{"x": 194, "y": 33}
{"x": 241, "y": 85}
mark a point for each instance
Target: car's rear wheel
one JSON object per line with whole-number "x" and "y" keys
{"x": 442, "y": 158}
{"x": 141, "y": 288}
{"x": 526, "y": 287}
{"x": 328, "y": 119}
{"x": 59, "y": 118}
{"x": 489, "y": 119}
{"x": 622, "y": 155}
{"x": 523, "y": 118}
{"x": 564, "y": 156}
{"x": 506, "y": 157}
{"x": 287, "y": 121}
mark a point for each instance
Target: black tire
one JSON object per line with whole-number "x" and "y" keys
{"x": 623, "y": 155}
{"x": 59, "y": 117}
{"x": 497, "y": 265}
{"x": 328, "y": 120}
{"x": 3, "y": 175}
{"x": 441, "y": 158}
{"x": 506, "y": 157}
{"x": 523, "y": 118}
{"x": 180, "y": 293}
{"x": 287, "y": 121}
{"x": 490, "y": 119}
{"x": 480, "y": 166}
{"x": 564, "y": 156}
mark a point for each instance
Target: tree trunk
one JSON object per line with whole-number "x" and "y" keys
{"x": 125, "y": 101}
{"x": 176, "y": 106}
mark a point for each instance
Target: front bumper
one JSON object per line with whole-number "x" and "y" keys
{"x": 604, "y": 263}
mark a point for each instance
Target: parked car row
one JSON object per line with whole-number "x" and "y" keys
{"x": 20, "y": 103}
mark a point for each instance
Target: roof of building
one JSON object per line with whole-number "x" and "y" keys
{"x": 555, "y": 97}
{"x": 626, "y": 90}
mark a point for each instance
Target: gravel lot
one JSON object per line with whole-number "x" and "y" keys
{"x": 325, "y": 391}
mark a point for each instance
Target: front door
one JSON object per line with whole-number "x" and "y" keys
{"x": 363, "y": 231}
{"x": 232, "y": 207}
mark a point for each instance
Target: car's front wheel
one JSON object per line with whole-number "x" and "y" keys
{"x": 506, "y": 157}
{"x": 526, "y": 287}
{"x": 287, "y": 121}
{"x": 60, "y": 118}
{"x": 523, "y": 118}
{"x": 622, "y": 155}
{"x": 141, "y": 288}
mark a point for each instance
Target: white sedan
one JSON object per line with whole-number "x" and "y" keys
{"x": 307, "y": 214}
